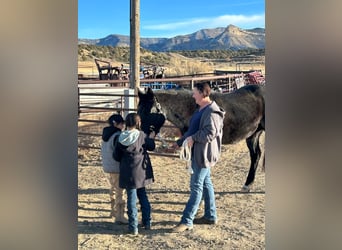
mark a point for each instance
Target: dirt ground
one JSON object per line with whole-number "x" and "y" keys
{"x": 241, "y": 216}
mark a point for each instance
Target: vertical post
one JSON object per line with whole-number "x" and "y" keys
{"x": 79, "y": 109}
{"x": 131, "y": 47}
{"x": 129, "y": 102}
{"x": 134, "y": 45}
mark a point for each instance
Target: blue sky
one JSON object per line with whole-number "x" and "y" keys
{"x": 167, "y": 18}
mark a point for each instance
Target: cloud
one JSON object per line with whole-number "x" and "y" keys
{"x": 214, "y": 22}
{"x": 239, "y": 19}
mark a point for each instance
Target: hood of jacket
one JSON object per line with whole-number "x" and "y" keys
{"x": 217, "y": 109}
{"x": 128, "y": 137}
{"x": 108, "y": 132}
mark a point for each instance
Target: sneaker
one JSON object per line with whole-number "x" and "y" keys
{"x": 181, "y": 228}
{"x": 203, "y": 220}
{"x": 147, "y": 227}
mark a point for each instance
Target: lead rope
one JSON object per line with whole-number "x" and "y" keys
{"x": 164, "y": 144}
{"x": 185, "y": 154}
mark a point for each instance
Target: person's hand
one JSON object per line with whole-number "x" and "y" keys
{"x": 190, "y": 141}
{"x": 174, "y": 146}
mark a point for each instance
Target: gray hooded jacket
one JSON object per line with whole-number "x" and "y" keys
{"x": 109, "y": 136}
{"x": 135, "y": 164}
{"x": 208, "y": 138}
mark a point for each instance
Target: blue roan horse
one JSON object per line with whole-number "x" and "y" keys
{"x": 244, "y": 119}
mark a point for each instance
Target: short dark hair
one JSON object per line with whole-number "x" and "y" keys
{"x": 133, "y": 120}
{"x": 117, "y": 118}
{"x": 203, "y": 87}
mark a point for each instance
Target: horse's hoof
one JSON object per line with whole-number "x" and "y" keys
{"x": 245, "y": 189}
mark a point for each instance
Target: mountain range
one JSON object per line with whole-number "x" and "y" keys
{"x": 222, "y": 38}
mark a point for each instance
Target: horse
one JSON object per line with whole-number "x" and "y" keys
{"x": 244, "y": 119}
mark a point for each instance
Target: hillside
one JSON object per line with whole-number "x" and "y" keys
{"x": 121, "y": 54}
{"x": 222, "y": 38}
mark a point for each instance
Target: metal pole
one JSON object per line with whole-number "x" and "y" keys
{"x": 134, "y": 45}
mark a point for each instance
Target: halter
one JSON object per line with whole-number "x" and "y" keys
{"x": 158, "y": 106}
{"x": 159, "y": 110}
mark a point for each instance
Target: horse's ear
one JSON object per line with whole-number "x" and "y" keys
{"x": 140, "y": 93}
{"x": 149, "y": 91}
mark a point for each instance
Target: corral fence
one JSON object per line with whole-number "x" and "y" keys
{"x": 98, "y": 99}
{"x": 96, "y": 102}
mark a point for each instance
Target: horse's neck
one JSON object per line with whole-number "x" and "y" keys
{"x": 178, "y": 107}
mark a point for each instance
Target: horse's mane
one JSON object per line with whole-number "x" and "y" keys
{"x": 172, "y": 91}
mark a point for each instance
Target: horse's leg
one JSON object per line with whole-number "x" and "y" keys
{"x": 254, "y": 153}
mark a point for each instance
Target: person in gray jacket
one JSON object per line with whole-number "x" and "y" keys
{"x": 204, "y": 137}
{"x": 111, "y": 167}
{"x": 135, "y": 170}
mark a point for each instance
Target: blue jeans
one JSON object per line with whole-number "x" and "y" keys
{"x": 200, "y": 186}
{"x": 132, "y": 211}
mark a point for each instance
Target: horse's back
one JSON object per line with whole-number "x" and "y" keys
{"x": 245, "y": 111}
{"x": 242, "y": 97}
{"x": 254, "y": 90}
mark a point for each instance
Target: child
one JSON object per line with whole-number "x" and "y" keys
{"x": 135, "y": 170}
{"x": 110, "y": 135}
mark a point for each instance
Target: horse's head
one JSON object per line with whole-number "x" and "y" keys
{"x": 150, "y": 112}
{"x": 175, "y": 105}
{"x": 146, "y": 102}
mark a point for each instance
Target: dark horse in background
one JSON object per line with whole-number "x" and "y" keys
{"x": 244, "y": 119}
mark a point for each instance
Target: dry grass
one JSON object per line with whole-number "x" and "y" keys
{"x": 179, "y": 65}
